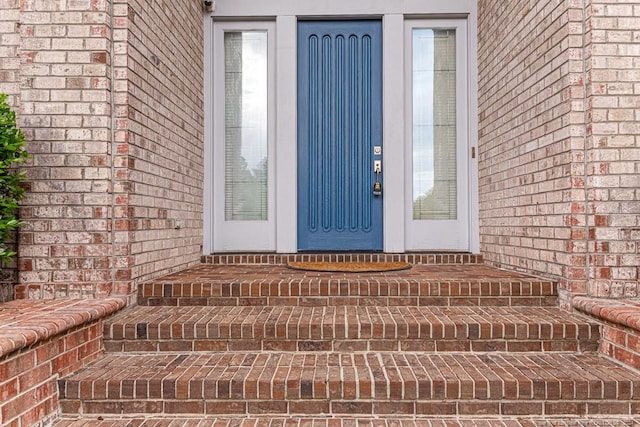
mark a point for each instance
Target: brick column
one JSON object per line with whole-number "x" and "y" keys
{"x": 9, "y": 49}
{"x": 559, "y": 162}
{"x": 113, "y": 113}
{"x": 613, "y": 157}
{"x": 531, "y": 142}
{"x": 66, "y": 247}
{"x": 9, "y": 84}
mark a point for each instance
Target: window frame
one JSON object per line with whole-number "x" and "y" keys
{"x": 440, "y": 234}
{"x": 245, "y": 235}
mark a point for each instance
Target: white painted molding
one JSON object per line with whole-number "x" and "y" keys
{"x": 332, "y": 8}
{"x": 286, "y": 146}
{"x": 207, "y": 244}
{"x": 393, "y": 150}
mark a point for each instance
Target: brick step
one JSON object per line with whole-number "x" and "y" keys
{"x": 351, "y": 422}
{"x": 551, "y": 384}
{"x": 423, "y": 285}
{"x": 353, "y": 328}
{"x": 428, "y": 258}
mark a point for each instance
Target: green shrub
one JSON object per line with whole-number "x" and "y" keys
{"x": 12, "y": 153}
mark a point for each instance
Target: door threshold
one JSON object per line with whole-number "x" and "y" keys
{"x": 283, "y": 259}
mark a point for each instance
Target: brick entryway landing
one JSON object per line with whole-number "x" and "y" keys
{"x": 242, "y": 340}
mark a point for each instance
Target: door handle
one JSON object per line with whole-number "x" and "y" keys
{"x": 377, "y": 169}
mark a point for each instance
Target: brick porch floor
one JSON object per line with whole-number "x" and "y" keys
{"x": 423, "y": 285}
{"x": 253, "y": 344}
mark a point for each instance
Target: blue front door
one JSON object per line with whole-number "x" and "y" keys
{"x": 339, "y": 127}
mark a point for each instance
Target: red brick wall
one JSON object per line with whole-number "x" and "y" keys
{"x": 42, "y": 341}
{"x": 10, "y": 85}
{"x": 559, "y": 156}
{"x": 28, "y": 378}
{"x": 165, "y": 148}
{"x": 613, "y": 147}
{"x": 116, "y": 134}
{"x": 9, "y": 48}
{"x": 620, "y": 320}
{"x": 532, "y": 192}
{"x": 64, "y": 111}
{"x": 558, "y": 141}
{"x": 622, "y": 344}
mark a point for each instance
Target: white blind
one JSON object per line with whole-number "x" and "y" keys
{"x": 434, "y": 125}
{"x": 246, "y": 137}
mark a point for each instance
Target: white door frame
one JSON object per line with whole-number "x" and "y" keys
{"x": 285, "y": 14}
{"x": 249, "y": 235}
{"x": 439, "y": 234}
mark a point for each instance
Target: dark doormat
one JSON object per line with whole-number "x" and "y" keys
{"x": 350, "y": 267}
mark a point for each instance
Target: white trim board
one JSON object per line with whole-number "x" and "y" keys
{"x": 334, "y": 8}
{"x": 439, "y": 234}
{"x": 242, "y": 235}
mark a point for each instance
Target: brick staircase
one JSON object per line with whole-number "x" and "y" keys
{"x": 242, "y": 340}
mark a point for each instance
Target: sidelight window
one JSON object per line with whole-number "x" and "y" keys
{"x": 434, "y": 124}
{"x": 244, "y": 135}
{"x": 246, "y": 131}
